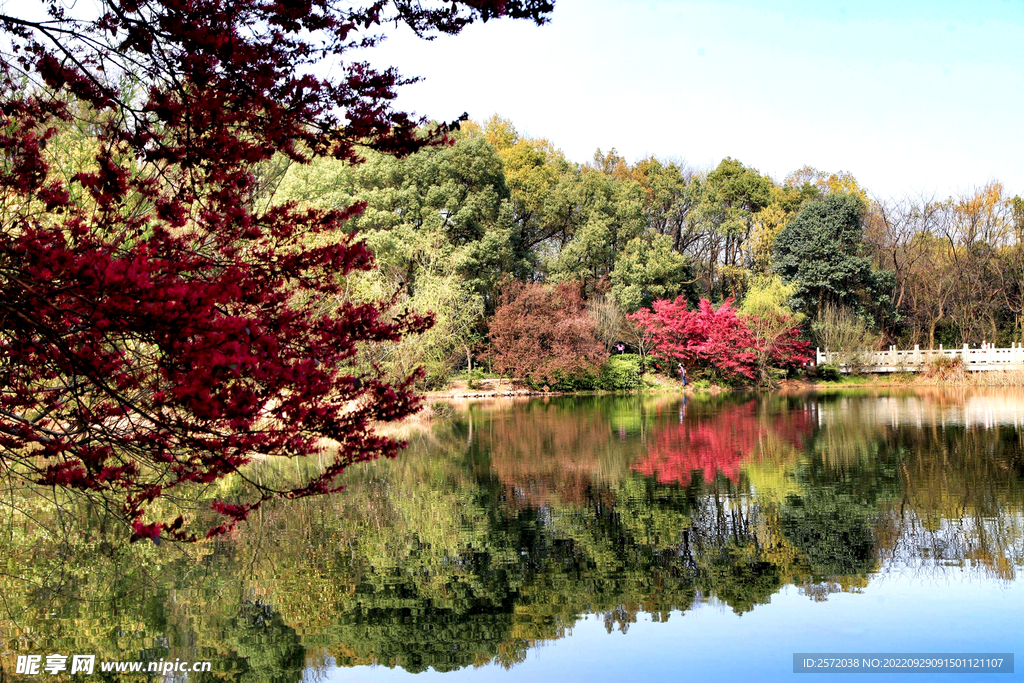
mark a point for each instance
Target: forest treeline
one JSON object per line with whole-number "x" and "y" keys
{"x": 462, "y": 230}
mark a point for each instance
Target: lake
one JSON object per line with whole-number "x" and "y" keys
{"x": 586, "y": 538}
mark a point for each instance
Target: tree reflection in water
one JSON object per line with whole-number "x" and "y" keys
{"x": 718, "y": 443}
{"x": 501, "y": 529}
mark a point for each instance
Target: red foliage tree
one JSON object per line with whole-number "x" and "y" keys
{"x": 719, "y": 339}
{"x": 158, "y": 328}
{"x": 706, "y": 338}
{"x": 788, "y": 351}
{"x": 777, "y": 343}
{"x": 542, "y": 332}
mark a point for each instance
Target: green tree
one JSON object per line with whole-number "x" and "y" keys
{"x": 646, "y": 269}
{"x": 731, "y": 195}
{"x": 604, "y": 212}
{"x": 671, "y": 196}
{"x": 821, "y": 252}
{"x": 539, "y": 180}
{"x": 440, "y": 226}
{"x": 442, "y": 210}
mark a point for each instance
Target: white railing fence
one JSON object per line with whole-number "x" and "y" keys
{"x": 983, "y": 358}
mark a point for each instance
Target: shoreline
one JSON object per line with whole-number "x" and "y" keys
{"x": 439, "y": 404}
{"x": 995, "y": 378}
{"x": 504, "y": 388}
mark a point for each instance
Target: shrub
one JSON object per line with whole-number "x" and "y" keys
{"x": 841, "y": 332}
{"x": 609, "y": 321}
{"x": 567, "y": 382}
{"x": 434, "y": 377}
{"x": 474, "y": 378}
{"x": 945, "y": 368}
{"x": 621, "y": 373}
{"x": 618, "y": 373}
{"x": 828, "y": 372}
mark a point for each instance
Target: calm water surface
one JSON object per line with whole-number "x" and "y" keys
{"x": 598, "y": 539}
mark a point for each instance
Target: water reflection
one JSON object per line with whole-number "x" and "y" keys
{"x": 720, "y": 443}
{"x": 502, "y": 529}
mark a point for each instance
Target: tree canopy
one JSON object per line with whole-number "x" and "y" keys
{"x": 821, "y": 251}
{"x": 160, "y": 326}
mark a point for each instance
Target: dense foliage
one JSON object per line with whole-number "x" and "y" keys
{"x": 630, "y": 234}
{"x": 708, "y": 338}
{"x": 160, "y": 325}
{"x": 544, "y": 334}
{"x": 195, "y": 273}
{"x": 719, "y": 342}
{"x": 822, "y": 252}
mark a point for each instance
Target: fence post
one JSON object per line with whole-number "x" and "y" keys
{"x": 967, "y": 349}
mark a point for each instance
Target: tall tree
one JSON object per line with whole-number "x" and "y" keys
{"x": 976, "y": 225}
{"x": 1009, "y": 267}
{"x": 605, "y": 211}
{"x": 671, "y": 196}
{"x": 441, "y": 231}
{"x": 647, "y": 269}
{"x": 537, "y": 176}
{"x": 731, "y": 195}
{"x": 813, "y": 182}
{"x": 821, "y": 251}
{"x": 158, "y": 327}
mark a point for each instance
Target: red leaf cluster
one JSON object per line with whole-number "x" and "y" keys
{"x": 716, "y": 339}
{"x": 788, "y": 351}
{"x": 157, "y": 327}
{"x": 541, "y": 332}
{"x": 703, "y": 338}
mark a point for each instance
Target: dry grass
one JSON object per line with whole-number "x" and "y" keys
{"x": 1013, "y": 377}
{"x": 419, "y": 422}
{"x": 952, "y": 371}
{"x": 945, "y": 373}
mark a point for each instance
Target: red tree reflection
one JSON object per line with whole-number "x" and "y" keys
{"x": 721, "y": 442}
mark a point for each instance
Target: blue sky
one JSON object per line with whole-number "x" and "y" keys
{"x": 908, "y": 96}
